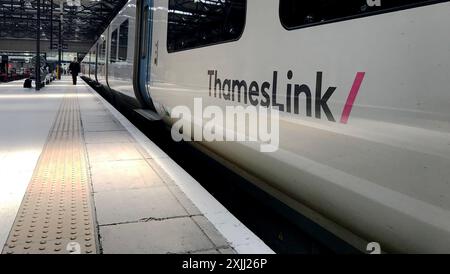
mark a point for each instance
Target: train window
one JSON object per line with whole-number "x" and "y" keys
{"x": 123, "y": 41}
{"x": 102, "y": 53}
{"x": 196, "y": 23}
{"x": 113, "y": 51}
{"x": 295, "y": 14}
{"x": 93, "y": 57}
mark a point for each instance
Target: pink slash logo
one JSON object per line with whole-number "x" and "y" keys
{"x": 352, "y": 97}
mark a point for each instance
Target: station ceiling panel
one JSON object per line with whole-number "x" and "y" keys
{"x": 83, "y": 20}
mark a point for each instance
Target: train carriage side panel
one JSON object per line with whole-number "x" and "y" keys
{"x": 381, "y": 169}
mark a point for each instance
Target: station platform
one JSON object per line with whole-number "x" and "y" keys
{"x": 77, "y": 177}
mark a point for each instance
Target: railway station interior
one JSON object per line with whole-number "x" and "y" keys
{"x": 224, "y": 128}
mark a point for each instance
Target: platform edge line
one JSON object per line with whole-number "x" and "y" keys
{"x": 240, "y": 238}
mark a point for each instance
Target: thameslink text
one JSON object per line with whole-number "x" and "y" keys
{"x": 266, "y": 94}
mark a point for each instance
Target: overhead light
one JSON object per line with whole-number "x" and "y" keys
{"x": 28, "y": 4}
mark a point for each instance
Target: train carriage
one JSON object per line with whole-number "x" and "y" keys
{"x": 362, "y": 87}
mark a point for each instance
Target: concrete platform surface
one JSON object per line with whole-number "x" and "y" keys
{"x": 142, "y": 201}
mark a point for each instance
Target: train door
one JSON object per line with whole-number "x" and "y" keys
{"x": 96, "y": 61}
{"x": 143, "y": 48}
{"x": 93, "y": 63}
{"x": 89, "y": 65}
{"x": 97, "y": 49}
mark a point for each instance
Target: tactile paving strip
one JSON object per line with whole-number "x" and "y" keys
{"x": 56, "y": 214}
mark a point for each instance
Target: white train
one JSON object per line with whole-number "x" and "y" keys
{"x": 364, "y": 136}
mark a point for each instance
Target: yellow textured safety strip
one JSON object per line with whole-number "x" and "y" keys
{"x": 56, "y": 214}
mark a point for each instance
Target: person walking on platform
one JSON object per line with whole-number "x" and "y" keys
{"x": 74, "y": 69}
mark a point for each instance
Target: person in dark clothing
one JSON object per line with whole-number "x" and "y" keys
{"x": 74, "y": 69}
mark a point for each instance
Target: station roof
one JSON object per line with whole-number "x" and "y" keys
{"x": 84, "y": 20}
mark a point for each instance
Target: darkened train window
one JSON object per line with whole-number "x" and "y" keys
{"x": 196, "y": 23}
{"x": 93, "y": 57}
{"x": 102, "y": 53}
{"x": 123, "y": 41}
{"x": 113, "y": 52}
{"x": 294, "y": 13}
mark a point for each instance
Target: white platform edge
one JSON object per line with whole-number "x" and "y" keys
{"x": 242, "y": 239}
